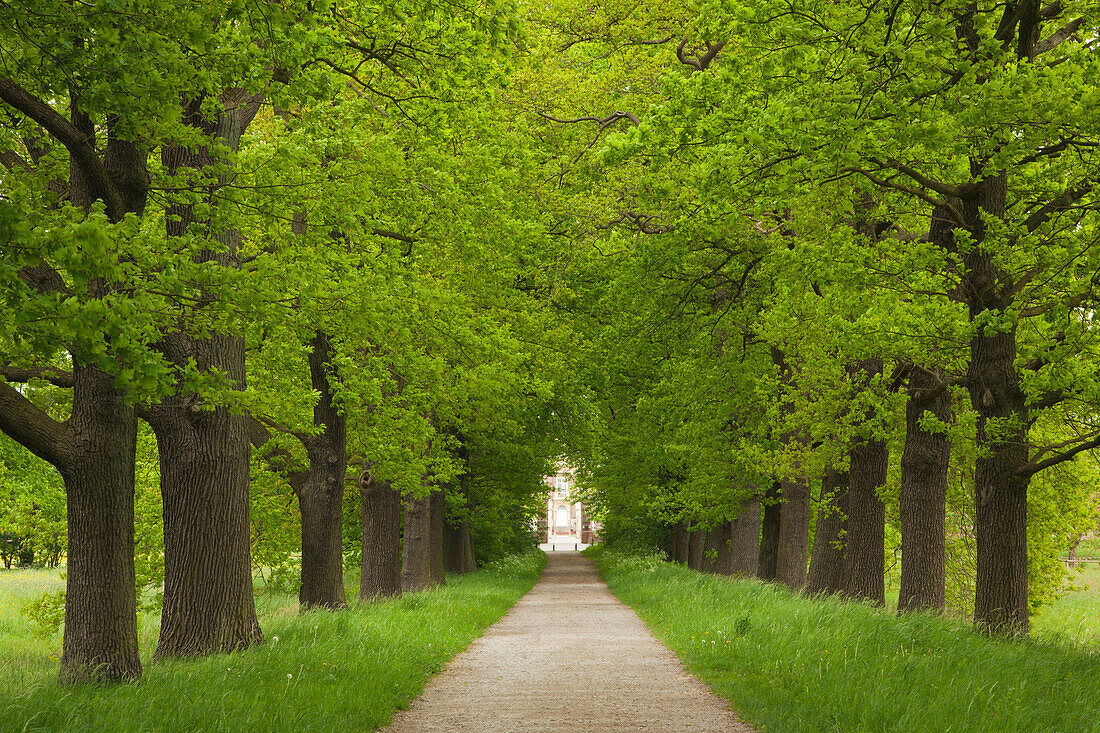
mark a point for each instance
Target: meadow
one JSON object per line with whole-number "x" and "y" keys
{"x": 322, "y": 671}
{"x": 787, "y": 662}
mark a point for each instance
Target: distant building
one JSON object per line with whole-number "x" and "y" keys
{"x": 566, "y": 519}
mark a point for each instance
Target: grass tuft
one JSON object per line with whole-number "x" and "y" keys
{"x": 791, "y": 663}
{"x": 324, "y": 671}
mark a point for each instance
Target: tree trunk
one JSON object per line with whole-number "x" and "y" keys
{"x": 204, "y": 472}
{"x": 794, "y": 534}
{"x": 100, "y": 641}
{"x": 321, "y": 495}
{"x": 745, "y": 539}
{"x": 469, "y": 559}
{"x": 922, "y": 496}
{"x": 204, "y": 454}
{"x": 1000, "y": 483}
{"x": 723, "y": 562}
{"x": 865, "y": 551}
{"x": 95, "y": 449}
{"x": 454, "y": 547}
{"x": 1000, "y": 493}
{"x": 381, "y": 511}
{"x": 680, "y": 543}
{"x": 435, "y": 549}
{"x": 416, "y": 573}
{"x": 866, "y": 547}
{"x": 712, "y": 541}
{"x": 696, "y": 546}
{"x": 769, "y": 533}
{"x": 828, "y": 571}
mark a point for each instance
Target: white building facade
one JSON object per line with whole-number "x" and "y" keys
{"x": 566, "y": 520}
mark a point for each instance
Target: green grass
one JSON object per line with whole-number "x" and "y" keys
{"x": 321, "y": 671}
{"x": 1075, "y": 617}
{"x": 24, "y": 659}
{"x": 790, "y": 663}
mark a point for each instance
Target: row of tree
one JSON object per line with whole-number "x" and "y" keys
{"x": 281, "y": 237}
{"x": 853, "y": 296}
{"x": 808, "y": 277}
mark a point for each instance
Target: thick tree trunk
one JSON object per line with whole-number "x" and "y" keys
{"x": 769, "y": 533}
{"x": 794, "y": 534}
{"x": 1000, "y": 481}
{"x": 828, "y": 571}
{"x": 416, "y": 561}
{"x": 204, "y": 454}
{"x": 923, "y": 496}
{"x": 94, "y": 450}
{"x": 458, "y": 546}
{"x": 866, "y": 547}
{"x": 865, "y": 553}
{"x": 723, "y": 561}
{"x": 455, "y": 539}
{"x": 745, "y": 539}
{"x": 321, "y": 495}
{"x": 697, "y": 538}
{"x": 100, "y": 641}
{"x": 681, "y": 540}
{"x": 204, "y": 473}
{"x": 1000, "y": 493}
{"x": 712, "y": 542}
{"x": 469, "y": 559}
{"x": 435, "y": 548}
{"x": 381, "y": 511}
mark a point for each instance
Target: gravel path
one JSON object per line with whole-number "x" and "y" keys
{"x": 568, "y": 657}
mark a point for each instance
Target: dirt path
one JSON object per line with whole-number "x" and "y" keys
{"x": 568, "y": 657}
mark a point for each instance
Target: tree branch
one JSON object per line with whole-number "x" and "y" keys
{"x": 81, "y": 149}
{"x": 278, "y": 459}
{"x": 602, "y": 121}
{"x": 31, "y": 427}
{"x": 1061, "y": 203}
{"x": 54, "y": 376}
{"x": 393, "y": 235}
{"x": 702, "y": 62}
{"x": 1033, "y": 467}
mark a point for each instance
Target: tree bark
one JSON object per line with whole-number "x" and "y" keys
{"x": 712, "y": 548}
{"x": 208, "y": 602}
{"x": 865, "y": 551}
{"x": 680, "y": 543}
{"x": 416, "y": 573}
{"x": 828, "y": 571}
{"x": 381, "y": 510}
{"x": 469, "y": 559}
{"x": 794, "y": 534}
{"x": 435, "y": 549}
{"x": 321, "y": 495}
{"x": 455, "y": 543}
{"x": 696, "y": 545}
{"x": 745, "y": 539}
{"x": 769, "y": 533}
{"x": 204, "y": 454}
{"x": 723, "y": 562}
{"x": 100, "y": 641}
{"x": 923, "y": 496}
{"x": 1000, "y": 484}
{"x": 866, "y": 547}
{"x": 95, "y": 449}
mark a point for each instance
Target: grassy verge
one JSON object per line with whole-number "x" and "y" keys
{"x": 319, "y": 671}
{"x": 790, "y": 663}
{"x": 1075, "y": 617}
